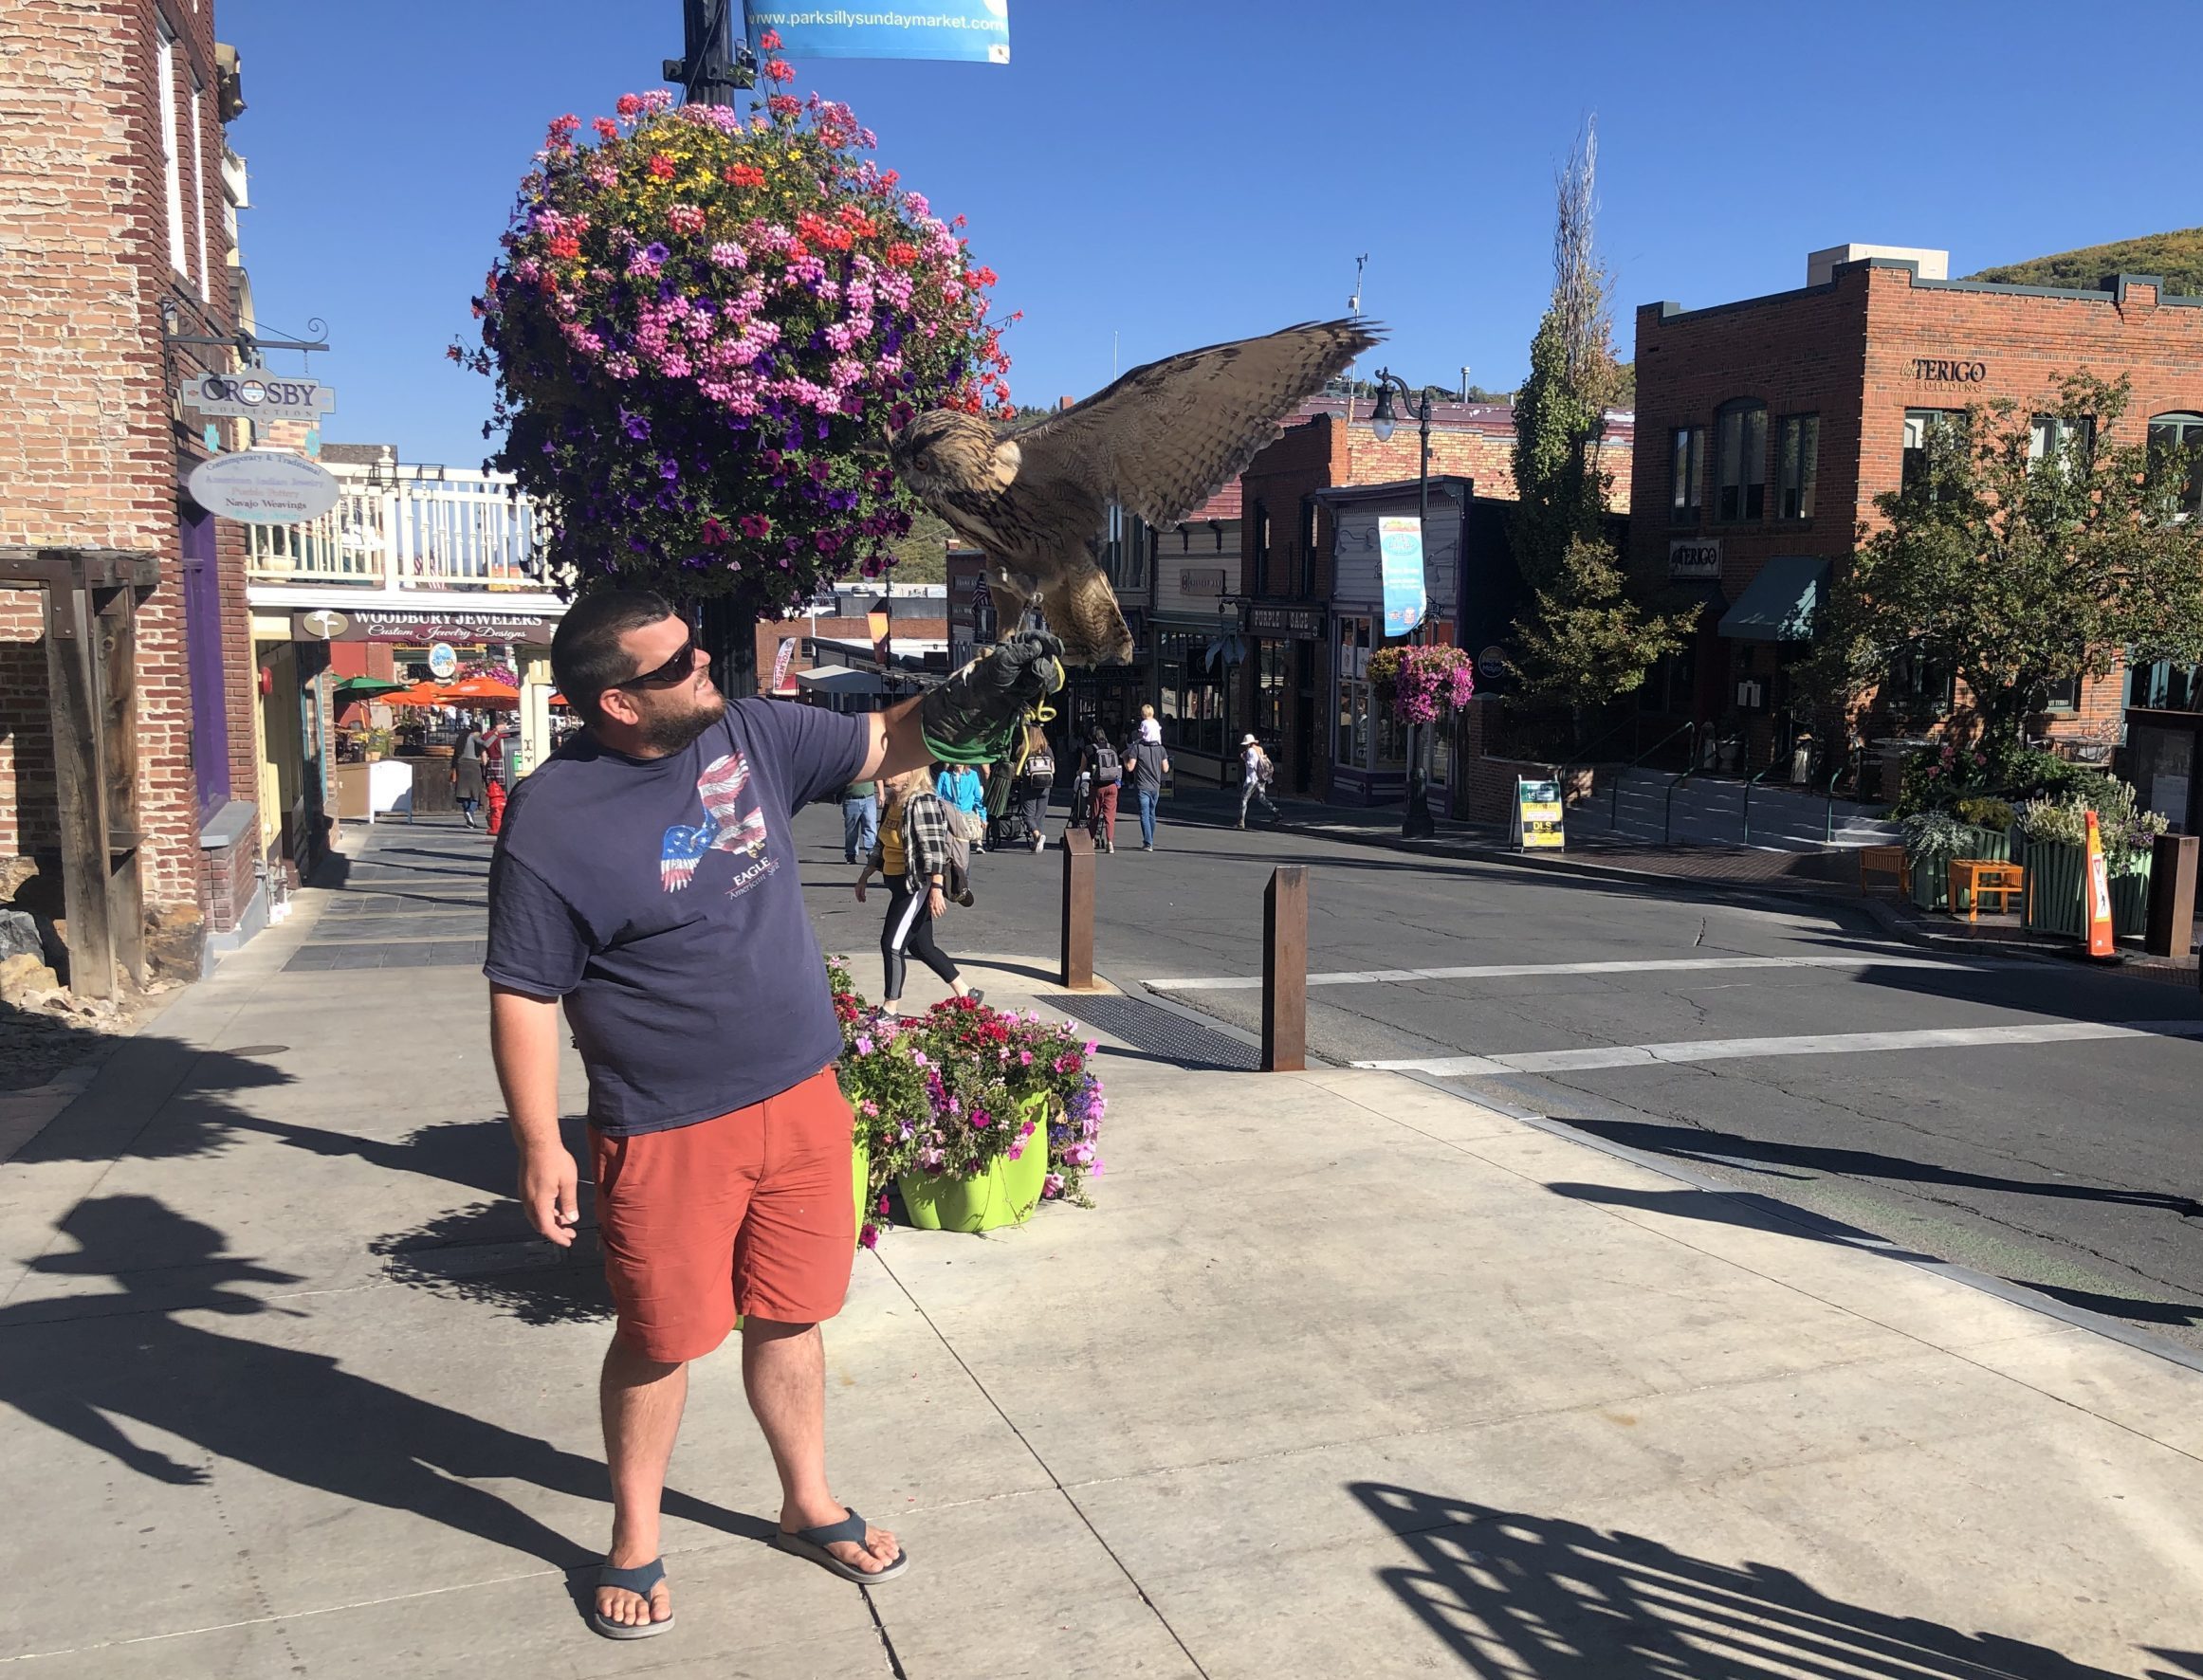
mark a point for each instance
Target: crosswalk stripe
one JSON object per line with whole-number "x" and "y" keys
{"x": 1807, "y": 1044}
{"x": 1508, "y": 971}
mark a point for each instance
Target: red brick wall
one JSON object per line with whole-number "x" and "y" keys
{"x": 93, "y": 455}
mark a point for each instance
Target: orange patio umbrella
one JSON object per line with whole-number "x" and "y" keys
{"x": 481, "y": 691}
{"x": 419, "y": 694}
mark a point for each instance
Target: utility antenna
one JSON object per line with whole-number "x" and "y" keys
{"x": 1354, "y": 302}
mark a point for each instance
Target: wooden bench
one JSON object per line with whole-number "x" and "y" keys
{"x": 1983, "y": 878}
{"x": 1879, "y": 860}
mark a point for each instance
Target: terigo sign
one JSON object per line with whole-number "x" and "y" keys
{"x": 1936, "y": 370}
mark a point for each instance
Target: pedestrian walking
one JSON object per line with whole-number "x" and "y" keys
{"x": 860, "y": 820}
{"x": 1035, "y": 782}
{"x": 467, "y": 787}
{"x": 1148, "y": 767}
{"x": 646, "y": 884}
{"x": 963, "y": 787}
{"x": 1105, "y": 773}
{"x": 913, "y": 855}
{"x": 1256, "y": 773}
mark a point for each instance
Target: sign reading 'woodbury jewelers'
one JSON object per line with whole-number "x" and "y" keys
{"x": 264, "y": 487}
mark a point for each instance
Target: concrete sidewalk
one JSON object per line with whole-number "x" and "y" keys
{"x": 1343, "y": 1376}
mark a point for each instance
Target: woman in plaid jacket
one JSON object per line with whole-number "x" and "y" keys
{"x": 911, "y": 853}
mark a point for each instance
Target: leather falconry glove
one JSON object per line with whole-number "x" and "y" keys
{"x": 982, "y": 703}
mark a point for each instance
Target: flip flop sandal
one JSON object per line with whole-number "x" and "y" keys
{"x": 640, "y": 1582}
{"x": 812, "y": 1543}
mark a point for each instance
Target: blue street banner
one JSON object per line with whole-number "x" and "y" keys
{"x": 1400, "y": 553}
{"x": 977, "y": 31}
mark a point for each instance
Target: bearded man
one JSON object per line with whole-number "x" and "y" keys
{"x": 646, "y": 883}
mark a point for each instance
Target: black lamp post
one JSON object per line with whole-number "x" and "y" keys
{"x": 1415, "y": 822}
{"x": 714, "y": 64}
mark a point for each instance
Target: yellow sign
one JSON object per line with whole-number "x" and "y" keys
{"x": 1538, "y": 814}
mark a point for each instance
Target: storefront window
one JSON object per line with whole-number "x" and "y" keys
{"x": 1194, "y": 703}
{"x": 1270, "y": 681}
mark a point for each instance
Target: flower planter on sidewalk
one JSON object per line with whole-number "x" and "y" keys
{"x": 1005, "y": 1193}
{"x": 2056, "y": 892}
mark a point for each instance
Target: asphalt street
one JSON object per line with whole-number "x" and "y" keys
{"x": 2031, "y": 1118}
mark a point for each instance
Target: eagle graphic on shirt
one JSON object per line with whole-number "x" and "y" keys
{"x": 732, "y": 822}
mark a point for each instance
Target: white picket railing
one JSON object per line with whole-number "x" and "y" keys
{"x": 461, "y": 529}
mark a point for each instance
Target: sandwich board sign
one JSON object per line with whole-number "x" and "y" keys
{"x": 1538, "y": 816}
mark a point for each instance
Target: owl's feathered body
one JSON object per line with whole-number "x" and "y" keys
{"x": 1158, "y": 442}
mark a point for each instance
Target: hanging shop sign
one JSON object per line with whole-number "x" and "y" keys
{"x": 1302, "y": 623}
{"x": 443, "y": 662}
{"x": 410, "y": 625}
{"x": 1692, "y": 557}
{"x": 264, "y": 487}
{"x": 974, "y": 31}
{"x": 1204, "y": 582}
{"x": 1400, "y": 558}
{"x": 258, "y": 396}
{"x": 1538, "y": 816}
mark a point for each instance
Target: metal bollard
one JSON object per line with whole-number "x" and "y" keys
{"x": 1285, "y": 970}
{"x": 1078, "y": 966}
{"x": 2172, "y": 922}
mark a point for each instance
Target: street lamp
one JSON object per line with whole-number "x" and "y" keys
{"x": 1415, "y": 822}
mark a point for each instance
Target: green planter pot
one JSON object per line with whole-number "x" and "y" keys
{"x": 862, "y": 1173}
{"x": 2057, "y": 901}
{"x": 1005, "y": 1193}
{"x": 1931, "y": 880}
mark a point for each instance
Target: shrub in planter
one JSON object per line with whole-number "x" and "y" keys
{"x": 1933, "y": 838}
{"x": 2056, "y": 832}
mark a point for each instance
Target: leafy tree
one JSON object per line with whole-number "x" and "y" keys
{"x": 1587, "y": 641}
{"x": 2027, "y": 550}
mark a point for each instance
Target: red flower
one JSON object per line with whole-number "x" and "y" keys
{"x": 565, "y": 247}
{"x": 715, "y": 534}
{"x": 778, "y": 70}
{"x": 661, "y": 165}
{"x": 744, "y": 174}
{"x": 606, "y": 129}
{"x": 769, "y": 41}
{"x": 629, "y": 105}
{"x": 780, "y": 105}
{"x": 901, "y": 254}
{"x": 756, "y": 524}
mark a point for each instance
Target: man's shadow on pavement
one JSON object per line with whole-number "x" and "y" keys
{"x": 1513, "y": 1595}
{"x": 295, "y": 1415}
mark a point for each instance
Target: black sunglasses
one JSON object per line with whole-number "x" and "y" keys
{"x": 678, "y": 668}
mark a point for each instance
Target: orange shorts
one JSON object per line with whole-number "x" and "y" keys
{"x": 752, "y": 1212}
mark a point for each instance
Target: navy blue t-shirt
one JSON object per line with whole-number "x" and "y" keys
{"x": 659, "y": 898}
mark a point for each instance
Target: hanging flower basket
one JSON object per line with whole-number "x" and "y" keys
{"x": 1422, "y": 685}
{"x": 697, "y": 321}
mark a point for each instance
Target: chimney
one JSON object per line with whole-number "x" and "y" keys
{"x": 1064, "y": 402}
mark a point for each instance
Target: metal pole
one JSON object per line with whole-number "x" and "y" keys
{"x": 1415, "y": 822}
{"x": 713, "y": 67}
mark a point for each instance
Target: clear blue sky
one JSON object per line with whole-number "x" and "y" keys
{"x": 1178, "y": 171}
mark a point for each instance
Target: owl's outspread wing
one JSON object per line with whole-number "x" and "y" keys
{"x": 1157, "y": 442}
{"x": 1167, "y": 436}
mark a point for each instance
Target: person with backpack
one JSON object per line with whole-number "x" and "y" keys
{"x": 1036, "y": 781}
{"x": 1256, "y": 773}
{"x": 1099, "y": 761}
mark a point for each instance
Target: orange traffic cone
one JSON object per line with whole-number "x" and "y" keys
{"x": 2102, "y": 941}
{"x": 494, "y": 795}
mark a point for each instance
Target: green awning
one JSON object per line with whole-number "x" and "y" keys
{"x": 1778, "y": 605}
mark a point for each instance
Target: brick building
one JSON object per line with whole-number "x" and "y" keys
{"x": 116, "y": 193}
{"x": 1770, "y": 425}
{"x": 1290, "y": 688}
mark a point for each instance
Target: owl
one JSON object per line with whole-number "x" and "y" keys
{"x": 1158, "y": 442}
